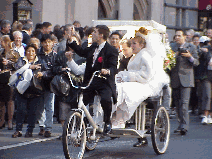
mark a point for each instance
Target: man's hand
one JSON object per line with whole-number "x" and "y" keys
{"x": 35, "y": 67}
{"x": 105, "y": 71}
{"x": 69, "y": 55}
{"x": 39, "y": 75}
{"x": 63, "y": 69}
{"x": 71, "y": 32}
{"x": 187, "y": 54}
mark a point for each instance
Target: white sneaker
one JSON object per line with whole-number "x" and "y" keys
{"x": 204, "y": 120}
{"x": 209, "y": 121}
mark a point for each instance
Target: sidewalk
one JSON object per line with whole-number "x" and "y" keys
{"x": 6, "y": 141}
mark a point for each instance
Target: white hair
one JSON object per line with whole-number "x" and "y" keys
{"x": 17, "y": 33}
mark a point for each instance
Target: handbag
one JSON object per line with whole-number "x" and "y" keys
{"x": 23, "y": 81}
{"x": 17, "y": 75}
{"x": 60, "y": 85}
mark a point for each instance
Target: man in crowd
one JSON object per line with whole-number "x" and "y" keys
{"x": 27, "y": 32}
{"x": 47, "y": 56}
{"x": 104, "y": 58}
{"x": 67, "y": 31}
{"x": 5, "y": 27}
{"x": 189, "y": 35}
{"x": 115, "y": 38}
{"x": 46, "y": 28}
{"x": 182, "y": 78}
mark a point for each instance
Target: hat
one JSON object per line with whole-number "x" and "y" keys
{"x": 203, "y": 39}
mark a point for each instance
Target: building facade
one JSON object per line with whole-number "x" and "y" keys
{"x": 175, "y": 14}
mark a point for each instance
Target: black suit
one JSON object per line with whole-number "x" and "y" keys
{"x": 105, "y": 88}
{"x": 182, "y": 79}
{"x": 26, "y": 38}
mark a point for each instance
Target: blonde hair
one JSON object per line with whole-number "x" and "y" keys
{"x": 33, "y": 41}
{"x": 7, "y": 40}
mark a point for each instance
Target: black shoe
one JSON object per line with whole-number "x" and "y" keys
{"x": 107, "y": 129}
{"x": 183, "y": 131}
{"x": 10, "y": 128}
{"x": 177, "y": 130}
{"x": 42, "y": 131}
{"x": 28, "y": 134}
{"x": 141, "y": 142}
{"x": 47, "y": 134}
{"x": 17, "y": 134}
{"x": 3, "y": 126}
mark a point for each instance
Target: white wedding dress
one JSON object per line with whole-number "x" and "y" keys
{"x": 145, "y": 78}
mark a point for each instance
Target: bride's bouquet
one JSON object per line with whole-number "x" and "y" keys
{"x": 170, "y": 60}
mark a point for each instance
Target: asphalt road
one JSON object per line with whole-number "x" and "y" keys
{"x": 195, "y": 145}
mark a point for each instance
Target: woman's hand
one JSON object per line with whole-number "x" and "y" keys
{"x": 118, "y": 79}
{"x": 39, "y": 75}
{"x": 35, "y": 67}
{"x": 69, "y": 55}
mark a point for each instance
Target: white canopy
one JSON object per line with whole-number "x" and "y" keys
{"x": 131, "y": 26}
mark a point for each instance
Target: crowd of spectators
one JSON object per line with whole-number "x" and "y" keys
{"x": 44, "y": 50}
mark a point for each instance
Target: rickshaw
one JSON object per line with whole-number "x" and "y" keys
{"x": 82, "y": 131}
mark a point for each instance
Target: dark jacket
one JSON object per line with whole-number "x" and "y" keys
{"x": 109, "y": 57}
{"x": 26, "y": 38}
{"x": 31, "y": 91}
{"x": 123, "y": 63}
{"x": 61, "y": 62}
{"x": 47, "y": 62}
{"x": 201, "y": 71}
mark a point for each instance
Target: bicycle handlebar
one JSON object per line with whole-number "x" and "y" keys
{"x": 85, "y": 87}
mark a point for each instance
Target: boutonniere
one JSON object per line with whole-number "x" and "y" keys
{"x": 100, "y": 59}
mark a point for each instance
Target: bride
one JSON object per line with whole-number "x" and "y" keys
{"x": 144, "y": 76}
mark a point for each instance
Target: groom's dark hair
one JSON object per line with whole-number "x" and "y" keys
{"x": 103, "y": 29}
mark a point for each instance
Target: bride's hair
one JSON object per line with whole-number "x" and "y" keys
{"x": 140, "y": 35}
{"x": 141, "y": 30}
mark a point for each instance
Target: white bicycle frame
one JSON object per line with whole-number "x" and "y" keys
{"x": 82, "y": 108}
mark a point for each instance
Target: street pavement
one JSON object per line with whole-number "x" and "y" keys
{"x": 195, "y": 145}
{"x": 6, "y": 141}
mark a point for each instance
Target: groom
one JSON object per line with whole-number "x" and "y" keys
{"x": 103, "y": 57}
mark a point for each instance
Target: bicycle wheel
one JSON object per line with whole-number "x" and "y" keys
{"x": 91, "y": 144}
{"x": 74, "y": 136}
{"x": 160, "y": 130}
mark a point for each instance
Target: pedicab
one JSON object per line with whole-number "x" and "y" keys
{"x": 83, "y": 130}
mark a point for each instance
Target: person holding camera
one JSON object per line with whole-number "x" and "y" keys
{"x": 182, "y": 78}
{"x": 202, "y": 82}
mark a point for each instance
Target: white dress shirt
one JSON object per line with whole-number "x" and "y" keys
{"x": 77, "y": 69}
{"x": 97, "y": 51}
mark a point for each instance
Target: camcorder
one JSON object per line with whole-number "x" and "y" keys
{"x": 182, "y": 50}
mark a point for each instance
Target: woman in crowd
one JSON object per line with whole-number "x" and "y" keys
{"x": 30, "y": 98}
{"x": 36, "y": 42}
{"x": 17, "y": 44}
{"x": 144, "y": 72}
{"x": 7, "y": 58}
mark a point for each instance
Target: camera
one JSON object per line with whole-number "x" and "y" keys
{"x": 182, "y": 50}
